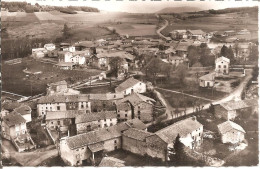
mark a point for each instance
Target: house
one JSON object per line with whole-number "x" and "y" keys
{"x": 207, "y": 80}
{"x": 14, "y": 129}
{"x": 89, "y": 146}
{"x": 77, "y": 57}
{"x": 141, "y": 107}
{"x": 68, "y": 48}
{"x": 63, "y": 103}
{"x": 60, "y": 88}
{"x": 195, "y": 34}
{"x": 65, "y": 65}
{"x": 61, "y": 119}
{"x": 124, "y": 111}
{"x": 25, "y": 111}
{"x": 222, "y": 65}
{"x": 7, "y": 107}
{"x": 231, "y": 109}
{"x": 176, "y": 60}
{"x": 131, "y": 85}
{"x": 92, "y": 121}
{"x": 49, "y": 46}
{"x": 231, "y": 132}
{"x": 189, "y": 129}
{"x": 144, "y": 143}
{"x": 182, "y": 49}
{"x": 111, "y": 162}
{"x": 179, "y": 34}
{"x": 39, "y": 52}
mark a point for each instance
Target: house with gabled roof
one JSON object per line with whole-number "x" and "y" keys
{"x": 91, "y": 121}
{"x": 179, "y": 34}
{"x": 141, "y": 107}
{"x": 231, "y": 109}
{"x": 14, "y": 129}
{"x": 195, "y": 34}
{"x": 222, "y": 65}
{"x": 90, "y": 146}
{"x": 189, "y": 129}
{"x": 207, "y": 80}
{"x": 231, "y": 132}
{"x": 144, "y": 143}
{"x": 131, "y": 85}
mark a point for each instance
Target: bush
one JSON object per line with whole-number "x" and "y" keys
{"x": 67, "y": 11}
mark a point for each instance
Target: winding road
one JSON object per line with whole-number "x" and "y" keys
{"x": 164, "y": 26}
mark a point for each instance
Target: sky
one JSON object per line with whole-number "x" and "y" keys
{"x": 147, "y": 6}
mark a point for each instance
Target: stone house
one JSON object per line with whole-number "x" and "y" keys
{"x": 63, "y": 103}
{"x": 190, "y": 131}
{"x": 222, "y": 65}
{"x": 124, "y": 111}
{"x": 207, "y": 80}
{"x": 14, "y": 129}
{"x": 144, "y": 143}
{"x": 131, "y": 85}
{"x": 231, "y": 109}
{"x": 142, "y": 107}
{"x": 231, "y": 132}
{"x": 61, "y": 119}
{"x": 89, "y": 146}
{"x": 92, "y": 121}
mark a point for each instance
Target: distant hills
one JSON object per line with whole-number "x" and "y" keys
{"x": 178, "y": 10}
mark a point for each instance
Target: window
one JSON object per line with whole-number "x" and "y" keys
{"x": 115, "y": 141}
{"x": 58, "y": 122}
{"x": 58, "y": 107}
{"x": 219, "y": 66}
{"x": 46, "y": 107}
{"x": 199, "y": 134}
{"x": 125, "y": 115}
{"x": 225, "y": 66}
{"x": 110, "y": 119}
{"x": 82, "y": 106}
{"x": 105, "y": 119}
{"x": 118, "y": 115}
{"x": 111, "y": 124}
{"x": 99, "y": 125}
{"x": 82, "y": 148}
{"x": 51, "y": 108}
{"x": 139, "y": 117}
{"x": 140, "y": 83}
{"x": 52, "y": 122}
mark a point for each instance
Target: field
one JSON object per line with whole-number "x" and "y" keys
{"x": 135, "y": 29}
{"x": 15, "y": 80}
{"x": 213, "y": 23}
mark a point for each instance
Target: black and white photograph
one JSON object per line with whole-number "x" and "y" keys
{"x": 141, "y": 83}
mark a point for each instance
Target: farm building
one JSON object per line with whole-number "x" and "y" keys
{"x": 207, "y": 80}
{"x": 230, "y": 110}
{"x": 179, "y": 34}
{"x": 49, "y": 46}
{"x": 231, "y": 132}
{"x": 195, "y": 34}
{"x": 93, "y": 121}
{"x": 65, "y": 65}
{"x": 131, "y": 85}
{"x": 60, "y": 88}
{"x": 222, "y": 65}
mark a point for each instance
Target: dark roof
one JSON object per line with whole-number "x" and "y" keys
{"x": 52, "y": 115}
{"x": 111, "y": 162}
{"x": 23, "y": 110}
{"x": 99, "y": 135}
{"x": 63, "y": 98}
{"x": 136, "y": 123}
{"x": 10, "y": 106}
{"x": 241, "y": 104}
{"x": 137, "y": 134}
{"x": 13, "y": 118}
{"x": 136, "y": 99}
{"x": 89, "y": 117}
{"x": 127, "y": 84}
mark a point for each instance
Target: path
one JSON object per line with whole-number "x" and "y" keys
{"x": 164, "y": 26}
{"x": 13, "y": 94}
{"x": 32, "y": 158}
{"x": 236, "y": 94}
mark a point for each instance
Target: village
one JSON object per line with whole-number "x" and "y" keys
{"x": 146, "y": 97}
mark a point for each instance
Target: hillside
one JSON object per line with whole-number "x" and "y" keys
{"x": 178, "y": 10}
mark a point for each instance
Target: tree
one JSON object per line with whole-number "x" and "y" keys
{"x": 179, "y": 151}
{"x": 115, "y": 65}
{"x": 193, "y": 54}
{"x": 66, "y": 31}
{"x": 224, "y": 51}
{"x": 253, "y": 53}
{"x": 211, "y": 109}
{"x": 231, "y": 54}
{"x": 236, "y": 48}
{"x": 181, "y": 73}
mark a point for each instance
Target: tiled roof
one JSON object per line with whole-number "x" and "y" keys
{"x": 97, "y": 136}
{"x": 234, "y": 105}
{"x": 123, "y": 106}
{"x": 222, "y": 58}
{"x": 89, "y": 117}
{"x": 229, "y": 125}
{"x": 137, "y": 134}
{"x": 136, "y": 98}
{"x": 63, "y": 98}
{"x": 52, "y": 115}
{"x": 136, "y": 123}
{"x": 106, "y": 96}
{"x": 23, "y": 110}
{"x": 10, "y": 106}
{"x": 111, "y": 162}
{"x": 13, "y": 118}
{"x": 127, "y": 84}
{"x": 183, "y": 128}
{"x": 120, "y": 54}
{"x": 208, "y": 77}
{"x": 96, "y": 147}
